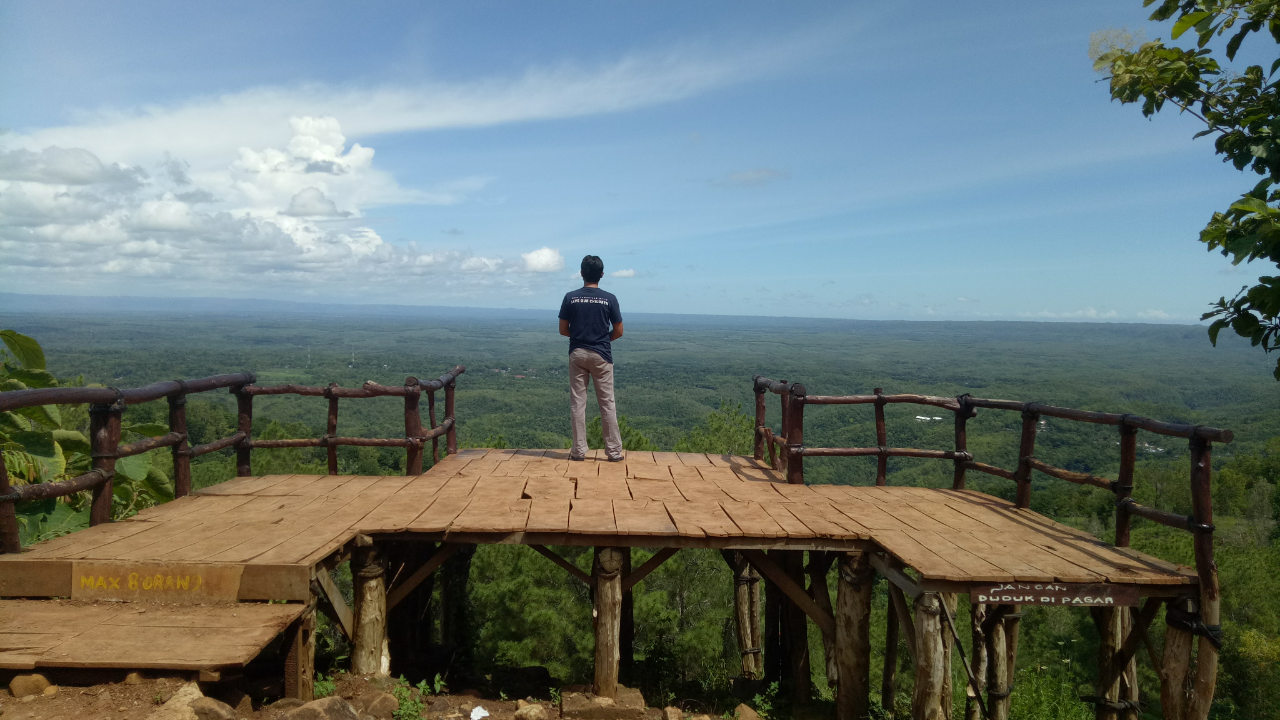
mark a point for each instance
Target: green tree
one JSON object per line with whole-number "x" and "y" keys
{"x": 1238, "y": 108}
{"x": 724, "y": 431}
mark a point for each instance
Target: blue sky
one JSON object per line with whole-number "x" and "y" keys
{"x": 925, "y": 161}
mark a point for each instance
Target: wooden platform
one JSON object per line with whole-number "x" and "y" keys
{"x": 273, "y": 530}
{"x": 71, "y": 634}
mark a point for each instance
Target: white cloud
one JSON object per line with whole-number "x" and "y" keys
{"x": 1089, "y": 313}
{"x": 754, "y": 177}
{"x": 1154, "y": 315}
{"x": 623, "y": 273}
{"x": 311, "y": 202}
{"x": 543, "y": 260}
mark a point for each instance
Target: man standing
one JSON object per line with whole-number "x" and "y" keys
{"x": 591, "y": 319}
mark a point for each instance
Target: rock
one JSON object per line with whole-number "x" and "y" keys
{"x": 522, "y": 704}
{"x": 440, "y": 706}
{"x": 24, "y": 685}
{"x": 745, "y": 712}
{"x": 671, "y": 713}
{"x": 28, "y": 698}
{"x": 532, "y": 711}
{"x": 330, "y": 708}
{"x": 287, "y": 704}
{"x": 133, "y": 678}
{"x": 206, "y": 708}
{"x": 379, "y": 705}
{"x": 50, "y": 691}
{"x": 177, "y": 707}
{"x": 700, "y": 717}
{"x": 629, "y": 705}
{"x": 244, "y": 707}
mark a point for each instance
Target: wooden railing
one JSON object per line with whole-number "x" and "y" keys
{"x": 786, "y": 452}
{"x": 106, "y": 407}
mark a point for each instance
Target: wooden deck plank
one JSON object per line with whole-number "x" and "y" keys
{"x": 694, "y": 459}
{"x": 792, "y": 526}
{"x": 243, "y": 485}
{"x": 548, "y": 514}
{"x": 598, "y": 489}
{"x": 752, "y": 519}
{"x": 440, "y": 514}
{"x": 592, "y": 515}
{"x": 697, "y": 519}
{"x": 549, "y": 487}
{"x": 487, "y": 517}
{"x": 662, "y": 490}
{"x": 642, "y": 517}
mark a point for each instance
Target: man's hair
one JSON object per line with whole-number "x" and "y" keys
{"x": 592, "y": 269}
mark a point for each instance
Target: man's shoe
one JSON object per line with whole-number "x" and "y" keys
{"x": 616, "y": 458}
{"x": 577, "y": 458}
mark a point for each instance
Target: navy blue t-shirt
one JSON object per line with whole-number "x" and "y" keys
{"x": 591, "y": 313}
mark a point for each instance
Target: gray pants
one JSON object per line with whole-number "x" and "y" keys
{"x": 585, "y": 363}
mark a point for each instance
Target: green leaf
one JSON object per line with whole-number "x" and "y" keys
{"x": 46, "y": 415}
{"x": 10, "y": 422}
{"x": 41, "y": 446}
{"x": 1188, "y": 21}
{"x": 25, "y": 349}
{"x": 35, "y": 378}
{"x": 147, "y": 429}
{"x": 72, "y": 441}
{"x": 9, "y": 385}
{"x": 135, "y": 468}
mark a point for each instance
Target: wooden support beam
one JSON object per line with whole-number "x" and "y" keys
{"x": 926, "y": 699}
{"x": 1107, "y": 691}
{"x": 401, "y": 591}
{"x": 649, "y": 566}
{"x": 902, "y": 612}
{"x": 1178, "y": 644}
{"x": 999, "y": 662}
{"x": 888, "y": 690}
{"x": 368, "y": 571}
{"x": 627, "y": 624}
{"x": 778, "y": 577}
{"x": 607, "y": 571}
{"x": 856, "y": 579}
{"x": 795, "y": 629}
{"x": 883, "y": 566}
{"x": 300, "y": 661}
{"x": 1128, "y": 647}
{"x": 748, "y": 648}
{"x": 574, "y": 570}
{"x": 819, "y": 564}
{"x": 341, "y": 612}
{"x": 974, "y": 707}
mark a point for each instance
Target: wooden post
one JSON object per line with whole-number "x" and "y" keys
{"x": 181, "y": 458}
{"x": 408, "y": 622}
{"x": 853, "y": 636}
{"x": 244, "y": 424}
{"x": 795, "y": 629}
{"x": 882, "y": 440}
{"x": 760, "y": 421}
{"x": 819, "y": 564}
{"x": 978, "y": 650}
{"x": 1107, "y": 621}
{"x": 412, "y": 427}
{"x": 1177, "y": 661}
{"x": 926, "y": 700}
{"x": 607, "y": 571}
{"x": 627, "y": 625}
{"x": 431, "y": 415}
{"x": 1012, "y": 626}
{"x": 331, "y": 429}
{"x": 1206, "y": 672}
{"x": 748, "y": 645}
{"x": 784, "y": 457}
{"x": 1129, "y": 678}
{"x": 1026, "y": 449}
{"x": 888, "y": 680}
{"x": 795, "y": 436}
{"x": 962, "y": 440}
{"x": 368, "y": 572}
{"x": 104, "y": 436}
{"x": 949, "y": 600}
{"x": 1124, "y": 481}
{"x": 9, "y": 540}
{"x": 753, "y": 594}
{"x": 997, "y": 665}
{"x": 451, "y": 440}
{"x": 300, "y": 662}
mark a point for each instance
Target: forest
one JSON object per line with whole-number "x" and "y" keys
{"x": 684, "y": 383}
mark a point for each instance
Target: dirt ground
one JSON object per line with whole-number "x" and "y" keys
{"x": 124, "y": 701}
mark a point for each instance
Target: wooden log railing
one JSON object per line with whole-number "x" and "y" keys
{"x": 107, "y": 405}
{"x": 1196, "y": 682}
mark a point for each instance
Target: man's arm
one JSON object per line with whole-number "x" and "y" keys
{"x": 617, "y": 330}
{"x": 564, "y": 328}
